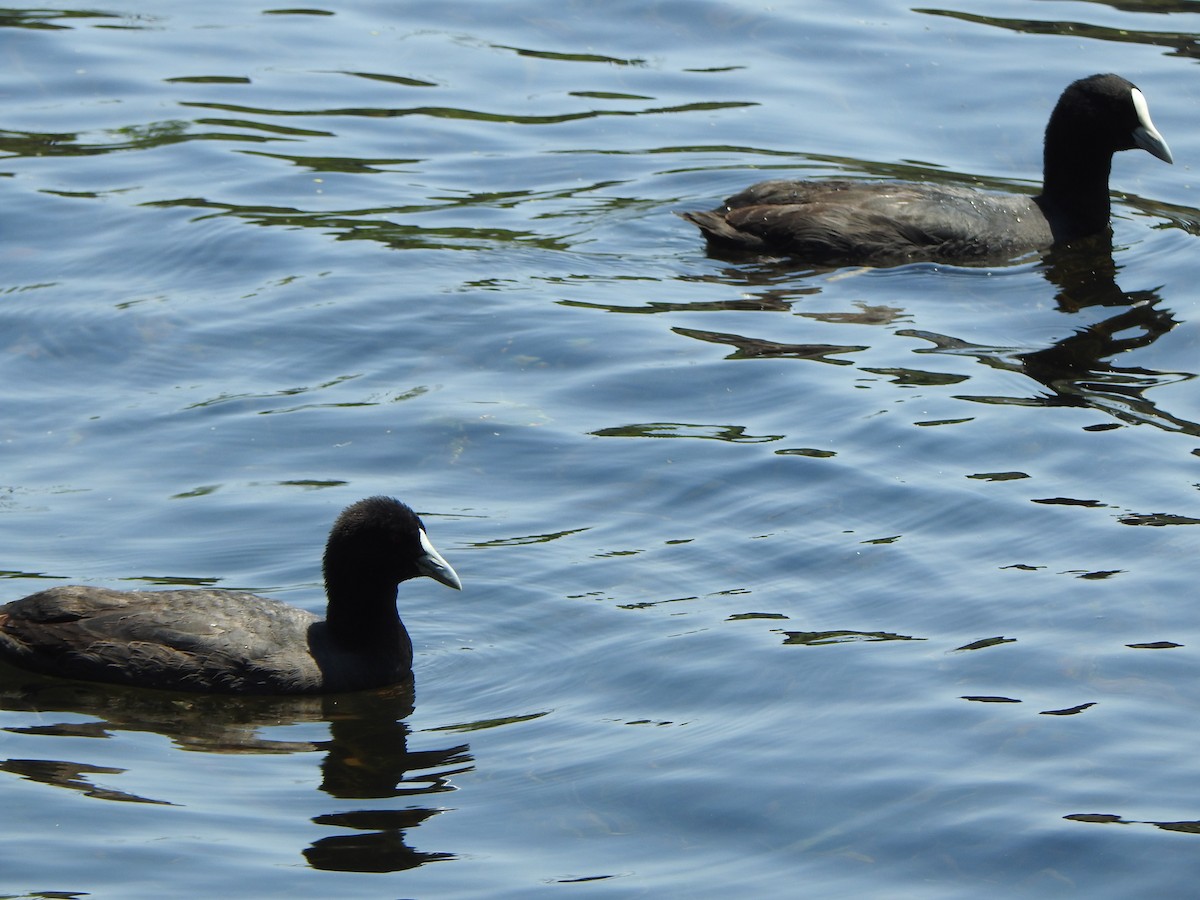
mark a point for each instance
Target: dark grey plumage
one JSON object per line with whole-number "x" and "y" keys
{"x": 232, "y": 642}
{"x": 881, "y": 223}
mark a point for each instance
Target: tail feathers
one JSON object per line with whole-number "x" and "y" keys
{"x": 719, "y": 232}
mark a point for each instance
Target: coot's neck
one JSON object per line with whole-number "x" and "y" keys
{"x": 362, "y": 611}
{"x": 1074, "y": 195}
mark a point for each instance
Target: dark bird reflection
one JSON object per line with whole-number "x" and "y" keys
{"x": 366, "y": 756}
{"x": 1085, "y": 274}
{"x": 1077, "y": 370}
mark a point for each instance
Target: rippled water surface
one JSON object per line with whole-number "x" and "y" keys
{"x": 779, "y": 582}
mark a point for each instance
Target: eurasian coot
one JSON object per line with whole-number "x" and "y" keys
{"x": 231, "y": 642}
{"x": 885, "y": 223}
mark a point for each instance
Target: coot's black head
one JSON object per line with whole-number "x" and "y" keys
{"x": 1104, "y": 113}
{"x": 1095, "y": 117}
{"x": 375, "y": 544}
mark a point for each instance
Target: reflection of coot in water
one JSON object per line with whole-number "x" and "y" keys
{"x": 232, "y": 642}
{"x": 368, "y": 759}
{"x": 889, "y": 223}
{"x": 378, "y": 845}
{"x": 366, "y": 766}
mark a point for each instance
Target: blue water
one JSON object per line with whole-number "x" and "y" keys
{"x": 778, "y": 583}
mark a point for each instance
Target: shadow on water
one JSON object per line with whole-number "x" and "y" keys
{"x": 366, "y": 756}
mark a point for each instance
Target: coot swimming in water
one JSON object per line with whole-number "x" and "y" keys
{"x": 237, "y": 643}
{"x": 886, "y": 223}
